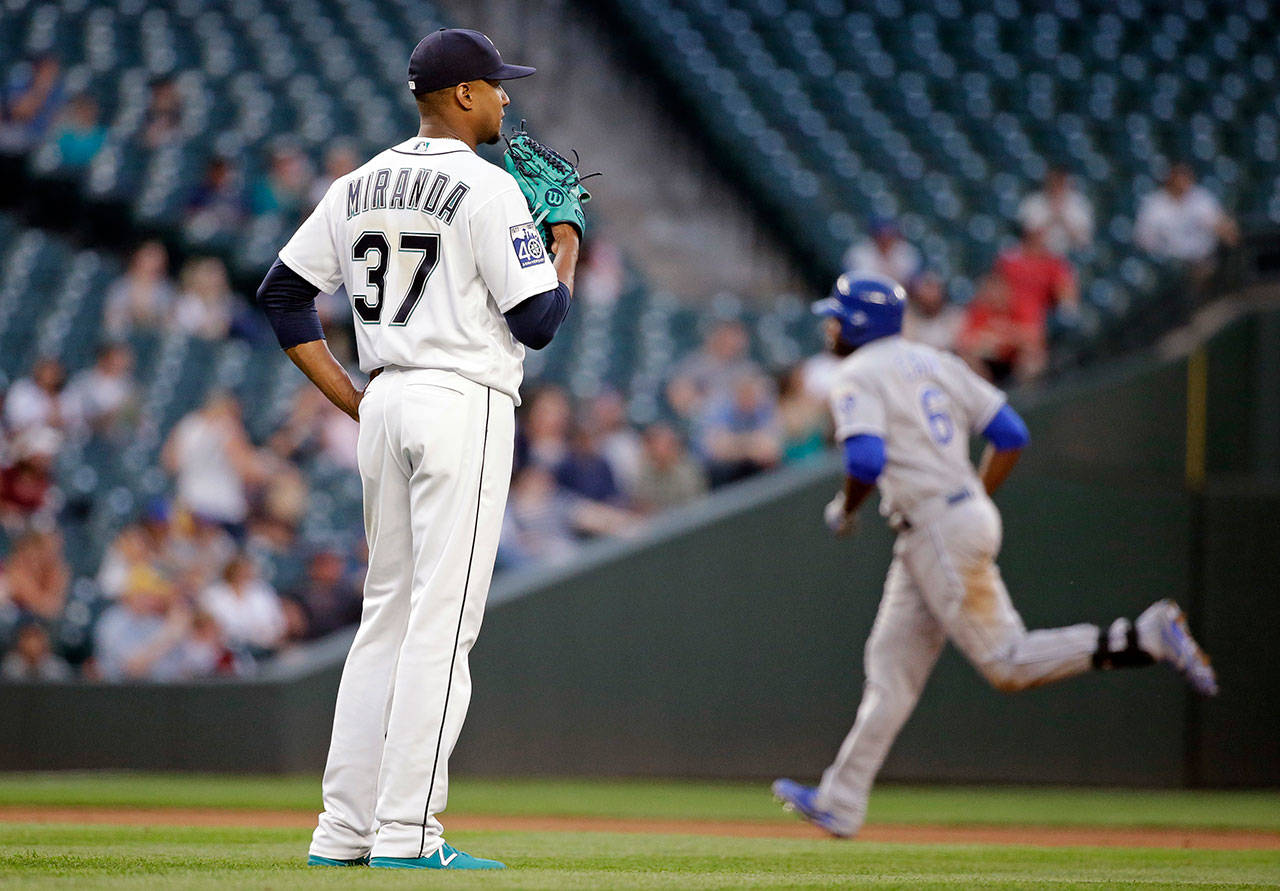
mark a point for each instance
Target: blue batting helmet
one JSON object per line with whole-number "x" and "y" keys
{"x": 868, "y": 306}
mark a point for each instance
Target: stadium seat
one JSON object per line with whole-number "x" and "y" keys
{"x": 931, "y": 96}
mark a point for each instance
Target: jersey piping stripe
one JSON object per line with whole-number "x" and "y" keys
{"x": 457, "y": 634}
{"x": 432, "y": 154}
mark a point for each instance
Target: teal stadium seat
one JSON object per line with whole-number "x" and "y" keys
{"x": 917, "y": 106}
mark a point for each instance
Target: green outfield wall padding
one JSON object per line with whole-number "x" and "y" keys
{"x": 727, "y": 641}
{"x": 1239, "y": 731}
{"x": 736, "y": 650}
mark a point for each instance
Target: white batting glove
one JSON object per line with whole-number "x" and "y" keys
{"x": 837, "y": 520}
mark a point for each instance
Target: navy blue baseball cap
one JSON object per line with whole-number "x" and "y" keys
{"x": 456, "y": 55}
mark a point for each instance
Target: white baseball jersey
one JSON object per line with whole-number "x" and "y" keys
{"x": 944, "y": 583}
{"x": 924, "y": 404}
{"x": 434, "y": 244}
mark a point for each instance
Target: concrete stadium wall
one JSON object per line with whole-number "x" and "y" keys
{"x": 727, "y": 642}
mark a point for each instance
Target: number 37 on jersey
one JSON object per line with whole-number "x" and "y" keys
{"x": 416, "y": 251}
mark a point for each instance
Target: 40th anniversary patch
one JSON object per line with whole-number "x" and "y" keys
{"x": 527, "y": 243}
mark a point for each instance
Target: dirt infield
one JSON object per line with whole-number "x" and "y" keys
{"x": 1040, "y": 836}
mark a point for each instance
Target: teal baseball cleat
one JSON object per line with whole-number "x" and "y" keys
{"x": 316, "y": 860}
{"x": 446, "y": 857}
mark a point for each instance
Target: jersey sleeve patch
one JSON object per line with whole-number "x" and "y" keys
{"x": 527, "y": 244}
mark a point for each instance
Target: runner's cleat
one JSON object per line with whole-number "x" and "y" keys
{"x": 802, "y": 800}
{"x": 1163, "y": 632}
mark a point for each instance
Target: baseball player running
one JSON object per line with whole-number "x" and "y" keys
{"x": 449, "y": 277}
{"x": 904, "y": 412}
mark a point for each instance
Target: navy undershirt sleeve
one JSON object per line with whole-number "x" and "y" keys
{"x": 1007, "y": 430}
{"x": 864, "y": 457}
{"x": 289, "y": 301}
{"x": 535, "y": 320}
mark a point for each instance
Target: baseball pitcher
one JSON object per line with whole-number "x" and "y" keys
{"x": 903, "y": 414}
{"x": 449, "y": 277}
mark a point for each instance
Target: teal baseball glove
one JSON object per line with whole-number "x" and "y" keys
{"x": 549, "y": 182}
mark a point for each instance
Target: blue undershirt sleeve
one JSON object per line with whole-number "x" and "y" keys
{"x": 1007, "y": 431}
{"x": 289, "y": 302}
{"x": 535, "y": 320}
{"x": 864, "y": 457}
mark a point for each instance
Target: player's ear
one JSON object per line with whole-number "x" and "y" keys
{"x": 463, "y": 96}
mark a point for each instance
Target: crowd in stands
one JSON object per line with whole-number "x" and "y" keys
{"x": 182, "y": 589}
{"x": 179, "y": 589}
{"x": 1004, "y": 330}
{"x": 36, "y": 110}
{"x": 584, "y": 471}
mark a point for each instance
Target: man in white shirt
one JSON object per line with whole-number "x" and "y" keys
{"x": 449, "y": 279}
{"x": 884, "y": 252}
{"x": 1183, "y": 221}
{"x": 1060, "y": 212}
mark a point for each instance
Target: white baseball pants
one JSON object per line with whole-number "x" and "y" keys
{"x": 943, "y": 583}
{"x": 435, "y": 455}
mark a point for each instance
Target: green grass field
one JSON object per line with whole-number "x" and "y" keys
{"x": 159, "y": 858}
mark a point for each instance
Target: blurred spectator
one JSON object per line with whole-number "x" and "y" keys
{"x": 29, "y": 103}
{"x": 601, "y": 272}
{"x": 1060, "y": 211}
{"x": 246, "y": 608}
{"x": 284, "y": 189}
{"x": 218, "y": 203}
{"x": 1184, "y": 222}
{"x": 340, "y": 159}
{"x": 146, "y": 636}
{"x": 543, "y": 522}
{"x": 884, "y": 252}
{"x": 198, "y": 549}
{"x": 104, "y": 395}
{"x": 206, "y": 651}
{"x": 37, "y": 577}
{"x": 995, "y": 341}
{"x": 803, "y": 418}
{"x": 26, "y": 483}
{"x": 543, "y": 438}
{"x": 619, "y": 443}
{"x": 327, "y": 600}
{"x": 38, "y": 401}
{"x": 32, "y": 657}
{"x": 930, "y": 318}
{"x": 668, "y": 477}
{"x": 1040, "y": 282}
{"x": 141, "y": 298}
{"x": 538, "y": 524}
{"x": 147, "y": 542}
{"x": 741, "y": 435}
{"x": 584, "y": 471}
{"x": 80, "y": 136}
{"x": 162, "y": 124}
{"x": 279, "y": 506}
{"x": 204, "y": 305}
{"x": 214, "y": 463}
{"x": 711, "y": 374}
{"x": 316, "y": 428}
